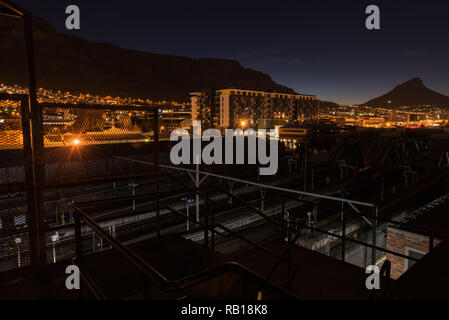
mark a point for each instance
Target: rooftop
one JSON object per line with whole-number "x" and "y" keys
{"x": 256, "y": 92}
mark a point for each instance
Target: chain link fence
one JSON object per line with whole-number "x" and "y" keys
{"x": 14, "y": 218}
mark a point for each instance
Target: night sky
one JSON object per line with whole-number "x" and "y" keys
{"x": 316, "y": 47}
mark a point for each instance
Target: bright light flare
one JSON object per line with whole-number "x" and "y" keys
{"x": 76, "y": 142}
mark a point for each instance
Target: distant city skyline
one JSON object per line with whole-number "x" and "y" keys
{"x": 318, "y": 48}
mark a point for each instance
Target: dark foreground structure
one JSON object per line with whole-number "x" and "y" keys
{"x": 91, "y": 185}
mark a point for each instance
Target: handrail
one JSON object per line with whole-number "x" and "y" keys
{"x": 158, "y": 278}
{"x": 93, "y": 286}
{"x": 14, "y": 7}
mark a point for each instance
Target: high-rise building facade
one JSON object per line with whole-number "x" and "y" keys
{"x": 237, "y": 108}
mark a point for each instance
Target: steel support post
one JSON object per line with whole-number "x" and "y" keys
{"x": 206, "y": 222}
{"x": 289, "y": 253}
{"x": 282, "y": 220}
{"x": 213, "y": 233}
{"x": 374, "y": 234}
{"x": 197, "y": 196}
{"x": 78, "y": 243}
{"x": 305, "y": 168}
{"x": 36, "y": 212}
{"x": 343, "y": 233}
{"x": 156, "y": 162}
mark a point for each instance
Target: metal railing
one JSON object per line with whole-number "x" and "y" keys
{"x": 30, "y": 163}
{"x": 285, "y": 226}
{"x": 294, "y": 226}
{"x": 385, "y": 271}
{"x": 376, "y": 219}
{"x": 206, "y": 227}
{"x": 19, "y": 235}
{"x": 155, "y": 277}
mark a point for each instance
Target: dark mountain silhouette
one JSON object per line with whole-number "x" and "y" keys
{"x": 410, "y": 93}
{"x": 65, "y": 62}
{"x": 328, "y": 104}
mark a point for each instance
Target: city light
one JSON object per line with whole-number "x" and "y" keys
{"x": 76, "y": 142}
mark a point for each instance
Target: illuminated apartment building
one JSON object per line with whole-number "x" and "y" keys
{"x": 234, "y": 108}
